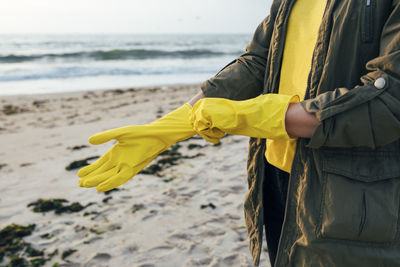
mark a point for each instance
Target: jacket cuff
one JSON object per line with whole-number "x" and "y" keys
{"x": 330, "y": 103}
{"x": 319, "y": 137}
{"x": 326, "y": 106}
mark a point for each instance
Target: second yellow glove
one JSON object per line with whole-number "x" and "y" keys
{"x": 263, "y": 117}
{"x": 137, "y": 146}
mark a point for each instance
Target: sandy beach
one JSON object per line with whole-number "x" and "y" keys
{"x": 188, "y": 212}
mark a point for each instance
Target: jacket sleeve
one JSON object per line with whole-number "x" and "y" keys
{"x": 243, "y": 78}
{"x": 367, "y": 115}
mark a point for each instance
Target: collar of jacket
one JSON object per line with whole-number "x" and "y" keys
{"x": 272, "y": 77}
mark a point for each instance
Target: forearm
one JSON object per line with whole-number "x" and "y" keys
{"x": 298, "y": 122}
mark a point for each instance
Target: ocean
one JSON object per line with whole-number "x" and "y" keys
{"x": 32, "y": 64}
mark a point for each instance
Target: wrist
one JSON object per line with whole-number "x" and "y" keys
{"x": 298, "y": 122}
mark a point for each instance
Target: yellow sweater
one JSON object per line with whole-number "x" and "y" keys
{"x": 301, "y": 36}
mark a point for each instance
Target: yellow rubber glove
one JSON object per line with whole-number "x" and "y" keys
{"x": 263, "y": 117}
{"x": 137, "y": 146}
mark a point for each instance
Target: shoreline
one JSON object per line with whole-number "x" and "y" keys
{"x": 188, "y": 214}
{"x": 173, "y": 86}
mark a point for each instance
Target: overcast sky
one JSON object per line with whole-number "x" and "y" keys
{"x": 131, "y": 16}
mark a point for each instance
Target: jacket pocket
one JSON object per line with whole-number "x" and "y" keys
{"x": 361, "y": 197}
{"x": 367, "y": 21}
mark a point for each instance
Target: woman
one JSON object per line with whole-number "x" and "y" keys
{"x": 326, "y": 183}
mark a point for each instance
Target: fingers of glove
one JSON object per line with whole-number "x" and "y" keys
{"x": 117, "y": 179}
{"x": 128, "y": 173}
{"x": 102, "y": 169}
{"x": 97, "y": 179}
{"x": 90, "y": 168}
{"x": 103, "y": 137}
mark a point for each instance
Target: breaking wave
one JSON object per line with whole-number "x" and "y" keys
{"x": 116, "y": 54}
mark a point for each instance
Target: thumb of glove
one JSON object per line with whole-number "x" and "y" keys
{"x": 104, "y": 137}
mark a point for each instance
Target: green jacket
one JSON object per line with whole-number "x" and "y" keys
{"x": 344, "y": 190}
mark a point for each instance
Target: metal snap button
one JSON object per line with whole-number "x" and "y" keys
{"x": 380, "y": 83}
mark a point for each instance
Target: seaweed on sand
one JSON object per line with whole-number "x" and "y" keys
{"x": 39, "y": 103}
{"x": 12, "y": 234}
{"x": 80, "y": 163}
{"x": 152, "y": 169}
{"x": 17, "y": 261}
{"x": 78, "y": 147}
{"x": 19, "y": 252}
{"x": 166, "y": 159}
{"x": 105, "y": 200}
{"x": 11, "y": 109}
{"x": 67, "y": 253}
{"x": 45, "y": 205}
{"x": 137, "y": 207}
{"x": 193, "y": 146}
{"x": 209, "y": 205}
{"x": 47, "y": 236}
{"x": 112, "y": 190}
